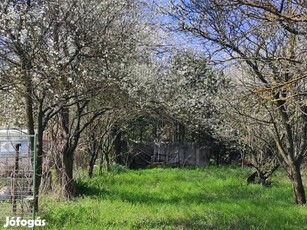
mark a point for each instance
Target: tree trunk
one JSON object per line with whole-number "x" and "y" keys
{"x": 39, "y": 157}
{"x": 67, "y": 175}
{"x": 107, "y": 161}
{"x": 58, "y": 166}
{"x": 100, "y": 164}
{"x": 181, "y": 132}
{"x": 30, "y": 126}
{"x": 118, "y": 149}
{"x": 64, "y": 151}
{"x": 297, "y": 184}
{"x": 262, "y": 178}
{"x": 93, "y": 150}
{"x": 92, "y": 161}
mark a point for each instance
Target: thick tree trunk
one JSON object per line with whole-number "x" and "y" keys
{"x": 297, "y": 184}
{"x": 67, "y": 155}
{"x": 67, "y": 175}
{"x": 30, "y": 126}
{"x": 64, "y": 151}
{"x": 58, "y": 166}
{"x": 64, "y": 171}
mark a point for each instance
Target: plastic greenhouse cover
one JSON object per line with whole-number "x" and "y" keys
{"x": 9, "y": 138}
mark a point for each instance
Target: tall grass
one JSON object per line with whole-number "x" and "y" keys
{"x": 209, "y": 198}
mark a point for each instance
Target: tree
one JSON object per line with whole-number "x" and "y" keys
{"x": 183, "y": 86}
{"x": 267, "y": 39}
{"x": 58, "y": 56}
{"x": 99, "y": 136}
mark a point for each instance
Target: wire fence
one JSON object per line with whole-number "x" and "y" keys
{"x": 17, "y": 181}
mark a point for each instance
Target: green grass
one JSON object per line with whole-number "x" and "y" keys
{"x": 209, "y": 198}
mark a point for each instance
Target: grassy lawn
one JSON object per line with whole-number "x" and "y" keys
{"x": 209, "y": 198}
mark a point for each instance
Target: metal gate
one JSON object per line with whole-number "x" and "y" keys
{"x": 17, "y": 176}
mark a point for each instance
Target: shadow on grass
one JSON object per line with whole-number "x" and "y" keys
{"x": 227, "y": 200}
{"x": 85, "y": 189}
{"x": 228, "y": 205}
{"x": 225, "y": 194}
